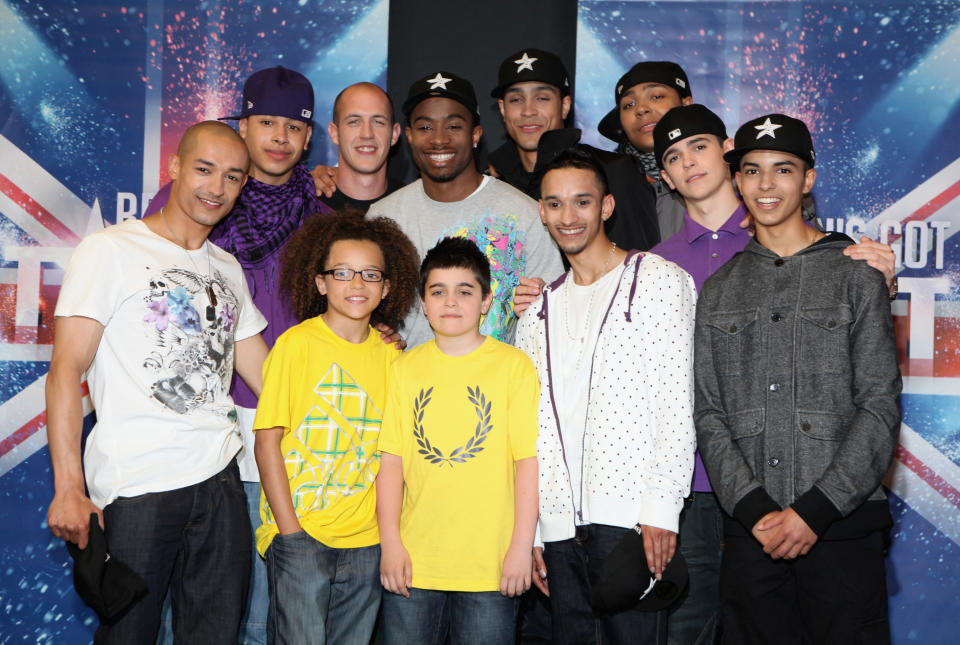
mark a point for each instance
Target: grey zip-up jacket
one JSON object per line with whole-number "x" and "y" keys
{"x": 797, "y": 383}
{"x": 638, "y": 442}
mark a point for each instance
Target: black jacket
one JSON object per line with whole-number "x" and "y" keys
{"x": 634, "y": 221}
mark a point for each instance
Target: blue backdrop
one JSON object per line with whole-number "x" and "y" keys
{"x": 94, "y": 95}
{"x": 878, "y": 84}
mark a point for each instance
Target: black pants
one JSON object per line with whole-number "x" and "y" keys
{"x": 836, "y": 594}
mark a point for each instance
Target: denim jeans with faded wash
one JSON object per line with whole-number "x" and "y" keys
{"x": 320, "y": 594}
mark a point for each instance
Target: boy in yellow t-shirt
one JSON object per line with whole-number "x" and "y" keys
{"x": 457, "y": 489}
{"x": 317, "y": 426}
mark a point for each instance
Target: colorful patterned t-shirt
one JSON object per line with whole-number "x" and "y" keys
{"x": 503, "y": 222}
{"x": 328, "y": 395}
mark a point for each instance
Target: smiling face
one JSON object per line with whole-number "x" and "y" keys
{"x": 352, "y": 300}
{"x": 531, "y": 108}
{"x": 642, "y": 106}
{"x": 772, "y": 185}
{"x": 573, "y": 207}
{"x": 453, "y": 302}
{"x": 363, "y": 128}
{"x": 695, "y": 168}
{"x": 276, "y": 144}
{"x": 208, "y": 172}
{"x": 442, "y": 136}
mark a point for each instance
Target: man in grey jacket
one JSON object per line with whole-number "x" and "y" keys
{"x": 797, "y": 411}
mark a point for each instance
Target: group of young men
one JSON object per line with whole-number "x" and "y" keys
{"x": 783, "y": 374}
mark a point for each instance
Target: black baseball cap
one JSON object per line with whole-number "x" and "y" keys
{"x": 443, "y": 85}
{"x": 107, "y": 585}
{"x": 532, "y": 65}
{"x": 683, "y": 122}
{"x": 663, "y": 72}
{"x": 277, "y": 91}
{"x": 625, "y": 581}
{"x": 772, "y": 132}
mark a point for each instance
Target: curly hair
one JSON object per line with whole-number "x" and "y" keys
{"x": 305, "y": 255}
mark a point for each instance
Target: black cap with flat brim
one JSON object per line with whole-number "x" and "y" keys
{"x": 662, "y": 72}
{"x": 772, "y": 132}
{"x": 441, "y": 85}
{"x": 683, "y": 122}
{"x": 625, "y": 581}
{"x": 532, "y": 65}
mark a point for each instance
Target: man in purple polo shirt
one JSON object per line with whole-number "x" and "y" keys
{"x": 689, "y": 143}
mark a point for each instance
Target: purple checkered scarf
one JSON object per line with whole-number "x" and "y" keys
{"x": 265, "y": 216}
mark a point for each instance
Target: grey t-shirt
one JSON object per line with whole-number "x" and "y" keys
{"x": 502, "y": 221}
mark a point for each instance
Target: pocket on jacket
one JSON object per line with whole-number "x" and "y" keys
{"x": 824, "y": 338}
{"x": 734, "y": 337}
{"x": 746, "y": 430}
{"x": 818, "y": 438}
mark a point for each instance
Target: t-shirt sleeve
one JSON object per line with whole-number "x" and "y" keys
{"x": 522, "y": 409}
{"x": 91, "y": 285}
{"x": 394, "y": 416}
{"x": 279, "y": 372}
{"x": 250, "y": 321}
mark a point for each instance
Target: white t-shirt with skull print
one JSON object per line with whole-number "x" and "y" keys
{"x": 160, "y": 379}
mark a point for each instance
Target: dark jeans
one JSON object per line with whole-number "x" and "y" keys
{"x": 834, "y": 595}
{"x": 319, "y": 594}
{"x": 430, "y": 617}
{"x": 196, "y": 542}
{"x": 572, "y": 568}
{"x": 701, "y": 544}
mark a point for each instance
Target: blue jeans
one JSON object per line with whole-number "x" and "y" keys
{"x": 253, "y": 625}
{"x": 319, "y": 594}
{"x": 573, "y": 566}
{"x": 701, "y": 543}
{"x": 429, "y": 617}
{"x": 194, "y": 541}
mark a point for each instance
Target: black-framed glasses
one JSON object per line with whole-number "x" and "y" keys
{"x": 346, "y": 275}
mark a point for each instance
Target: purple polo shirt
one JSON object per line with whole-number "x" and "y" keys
{"x": 700, "y": 251}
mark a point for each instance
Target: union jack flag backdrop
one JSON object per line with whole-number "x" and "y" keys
{"x": 94, "y": 96}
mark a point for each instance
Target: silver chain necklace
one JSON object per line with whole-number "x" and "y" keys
{"x": 211, "y": 312}
{"x": 589, "y": 311}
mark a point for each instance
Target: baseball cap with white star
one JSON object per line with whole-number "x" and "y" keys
{"x": 772, "y": 132}
{"x": 444, "y": 85}
{"x": 532, "y": 65}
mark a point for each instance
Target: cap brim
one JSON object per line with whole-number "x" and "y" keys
{"x": 230, "y": 118}
{"x": 610, "y": 126}
{"x": 624, "y": 581}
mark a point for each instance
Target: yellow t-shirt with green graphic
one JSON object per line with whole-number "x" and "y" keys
{"x": 328, "y": 395}
{"x": 459, "y": 423}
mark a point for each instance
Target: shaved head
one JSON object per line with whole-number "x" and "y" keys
{"x": 188, "y": 141}
{"x": 360, "y": 88}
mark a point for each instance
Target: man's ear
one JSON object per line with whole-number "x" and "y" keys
{"x": 727, "y": 144}
{"x": 500, "y": 105}
{"x": 396, "y": 134}
{"x": 409, "y": 132}
{"x": 686, "y": 100}
{"x": 477, "y": 133}
{"x": 543, "y": 218}
{"x": 242, "y": 129}
{"x": 173, "y": 166}
{"x": 565, "y": 106}
{"x": 809, "y": 179}
{"x": 607, "y": 204}
{"x": 306, "y": 142}
{"x": 334, "y": 133}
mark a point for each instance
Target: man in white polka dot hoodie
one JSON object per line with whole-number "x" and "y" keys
{"x": 612, "y": 340}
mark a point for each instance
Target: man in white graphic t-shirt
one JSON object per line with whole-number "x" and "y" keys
{"x": 157, "y": 317}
